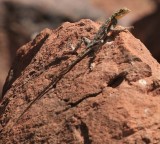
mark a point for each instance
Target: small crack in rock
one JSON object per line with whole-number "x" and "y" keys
{"x": 74, "y": 104}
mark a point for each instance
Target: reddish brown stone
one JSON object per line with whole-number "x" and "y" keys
{"x": 102, "y": 104}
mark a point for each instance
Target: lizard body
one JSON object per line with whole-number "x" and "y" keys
{"x": 98, "y": 40}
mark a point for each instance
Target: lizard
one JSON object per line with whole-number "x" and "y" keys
{"x": 98, "y": 40}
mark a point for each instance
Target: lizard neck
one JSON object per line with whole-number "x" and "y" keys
{"x": 114, "y": 21}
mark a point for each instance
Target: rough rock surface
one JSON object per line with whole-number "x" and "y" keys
{"x": 21, "y": 20}
{"x": 96, "y": 102}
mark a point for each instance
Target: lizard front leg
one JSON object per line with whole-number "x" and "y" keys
{"x": 120, "y": 28}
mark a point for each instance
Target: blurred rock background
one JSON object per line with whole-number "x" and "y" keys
{"x": 21, "y": 20}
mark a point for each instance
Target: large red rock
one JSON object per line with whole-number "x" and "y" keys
{"x": 113, "y": 98}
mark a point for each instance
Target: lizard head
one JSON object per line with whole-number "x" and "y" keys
{"x": 122, "y": 12}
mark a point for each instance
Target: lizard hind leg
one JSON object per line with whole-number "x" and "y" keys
{"x": 84, "y": 40}
{"x": 74, "y": 49}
